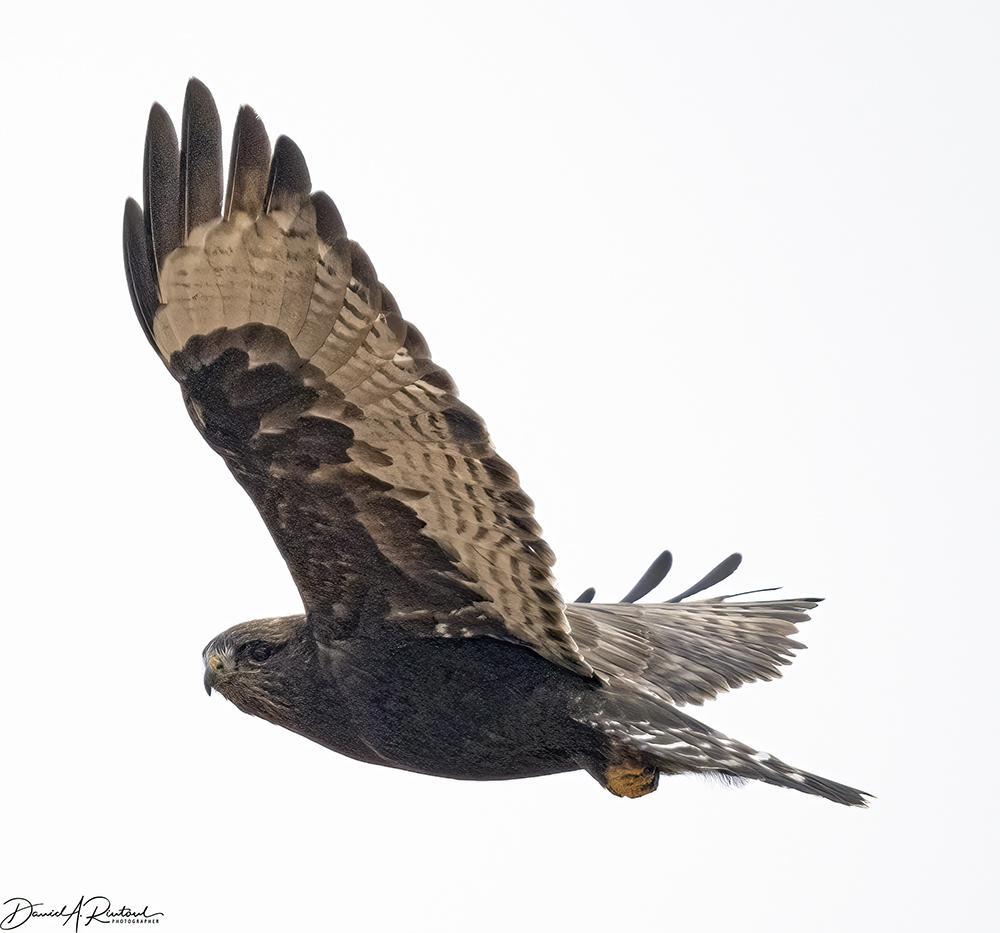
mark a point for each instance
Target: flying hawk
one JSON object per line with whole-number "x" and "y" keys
{"x": 434, "y": 638}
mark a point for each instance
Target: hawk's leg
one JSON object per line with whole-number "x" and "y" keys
{"x": 630, "y": 780}
{"x": 624, "y": 778}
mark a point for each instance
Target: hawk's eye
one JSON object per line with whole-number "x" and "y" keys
{"x": 259, "y": 650}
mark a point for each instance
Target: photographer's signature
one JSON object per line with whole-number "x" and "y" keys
{"x": 98, "y": 909}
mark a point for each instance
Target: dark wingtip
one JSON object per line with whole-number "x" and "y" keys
{"x": 716, "y": 575}
{"x": 200, "y": 158}
{"x": 289, "y": 183}
{"x": 329, "y": 223}
{"x": 161, "y": 185}
{"x": 363, "y": 272}
{"x": 196, "y": 86}
{"x": 587, "y": 596}
{"x": 249, "y": 165}
{"x": 139, "y": 268}
{"x": 651, "y": 579}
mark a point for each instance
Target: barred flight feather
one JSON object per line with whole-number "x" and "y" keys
{"x": 300, "y": 371}
{"x": 689, "y": 652}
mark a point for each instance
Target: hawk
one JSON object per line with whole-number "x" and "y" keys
{"x": 434, "y": 638}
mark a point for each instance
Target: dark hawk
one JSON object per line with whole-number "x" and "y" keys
{"x": 434, "y": 638}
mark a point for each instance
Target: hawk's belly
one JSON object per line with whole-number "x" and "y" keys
{"x": 462, "y": 708}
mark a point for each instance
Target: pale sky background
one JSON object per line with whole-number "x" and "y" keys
{"x": 719, "y": 276}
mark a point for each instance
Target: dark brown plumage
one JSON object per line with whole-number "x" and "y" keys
{"x": 434, "y": 637}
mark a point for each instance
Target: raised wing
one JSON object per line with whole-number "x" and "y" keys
{"x": 381, "y": 489}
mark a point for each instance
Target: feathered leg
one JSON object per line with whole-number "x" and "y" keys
{"x": 626, "y": 777}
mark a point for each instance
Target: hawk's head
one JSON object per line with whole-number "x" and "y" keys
{"x": 255, "y": 664}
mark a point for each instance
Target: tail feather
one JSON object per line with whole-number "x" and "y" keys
{"x": 663, "y": 737}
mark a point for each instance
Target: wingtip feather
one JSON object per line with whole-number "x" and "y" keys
{"x": 329, "y": 223}
{"x": 249, "y": 165}
{"x": 289, "y": 182}
{"x": 651, "y": 579}
{"x": 200, "y": 158}
{"x": 161, "y": 185}
{"x": 716, "y": 575}
{"x": 138, "y": 268}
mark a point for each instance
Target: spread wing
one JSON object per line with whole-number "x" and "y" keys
{"x": 689, "y": 652}
{"x": 381, "y": 489}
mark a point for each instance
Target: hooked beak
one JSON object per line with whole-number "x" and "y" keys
{"x": 213, "y": 666}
